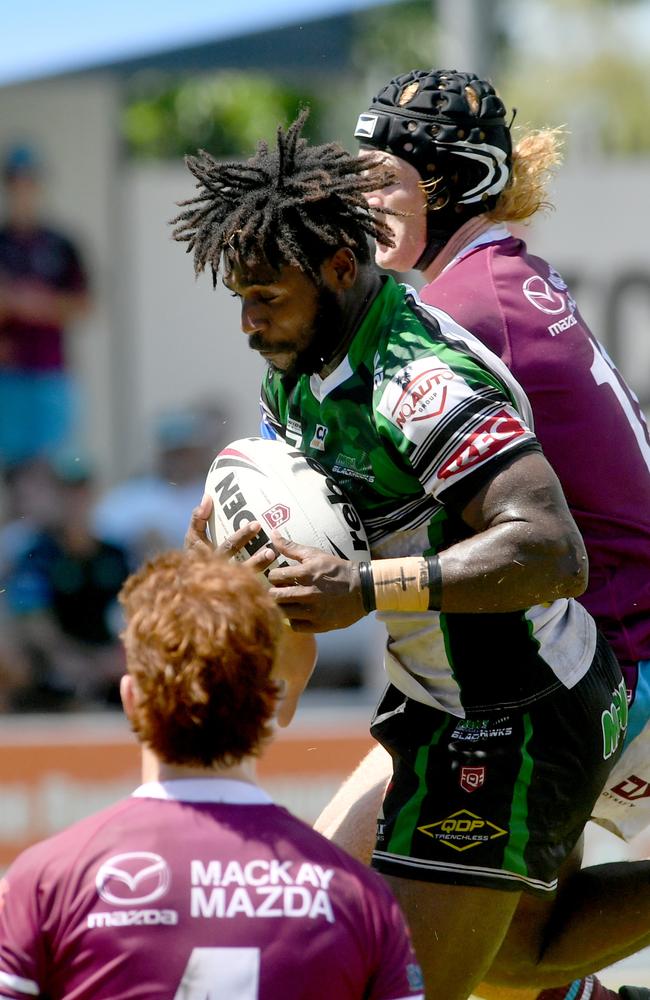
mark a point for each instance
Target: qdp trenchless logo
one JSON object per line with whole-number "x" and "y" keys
{"x": 463, "y": 830}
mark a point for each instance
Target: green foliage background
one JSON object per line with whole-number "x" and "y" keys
{"x": 226, "y": 113}
{"x": 596, "y": 87}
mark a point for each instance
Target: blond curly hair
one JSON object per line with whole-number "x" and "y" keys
{"x": 534, "y": 158}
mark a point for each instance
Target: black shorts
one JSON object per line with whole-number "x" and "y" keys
{"x": 497, "y": 801}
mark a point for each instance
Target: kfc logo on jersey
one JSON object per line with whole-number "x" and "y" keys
{"x": 540, "y": 294}
{"x": 472, "y": 778}
{"x": 133, "y": 878}
{"x": 488, "y": 439}
{"x": 632, "y": 788}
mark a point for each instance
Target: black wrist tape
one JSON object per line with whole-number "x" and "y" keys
{"x": 367, "y": 582}
{"x": 434, "y": 583}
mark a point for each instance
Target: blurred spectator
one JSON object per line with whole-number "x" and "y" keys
{"x": 62, "y": 595}
{"x": 43, "y": 289}
{"x": 14, "y": 664}
{"x": 31, "y": 499}
{"x": 149, "y": 513}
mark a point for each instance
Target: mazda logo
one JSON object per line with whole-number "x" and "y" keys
{"x": 132, "y": 879}
{"x": 543, "y": 297}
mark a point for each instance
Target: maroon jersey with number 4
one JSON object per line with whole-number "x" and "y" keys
{"x": 587, "y": 419}
{"x": 199, "y": 890}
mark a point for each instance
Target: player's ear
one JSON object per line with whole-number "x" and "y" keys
{"x": 127, "y": 694}
{"x": 340, "y": 270}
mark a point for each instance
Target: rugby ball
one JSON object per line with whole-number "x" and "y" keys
{"x": 259, "y": 479}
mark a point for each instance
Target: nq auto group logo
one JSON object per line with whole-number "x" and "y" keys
{"x": 133, "y": 879}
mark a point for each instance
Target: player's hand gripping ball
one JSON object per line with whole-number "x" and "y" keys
{"x": 257, "y": 479}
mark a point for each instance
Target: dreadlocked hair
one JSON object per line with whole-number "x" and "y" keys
{"x": 294, "y": 205}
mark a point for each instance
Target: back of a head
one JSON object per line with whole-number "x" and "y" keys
{"x": 451, "y": 126}
{"x": 200, "y": 637}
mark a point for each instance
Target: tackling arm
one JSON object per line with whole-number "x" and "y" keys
{"x": 525, "y": 550}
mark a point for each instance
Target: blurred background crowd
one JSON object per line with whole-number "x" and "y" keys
{"x": 120, "y": 379}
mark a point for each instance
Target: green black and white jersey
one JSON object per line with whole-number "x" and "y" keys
{"x": 412, "y": 422}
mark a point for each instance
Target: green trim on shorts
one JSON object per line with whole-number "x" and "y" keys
{"x": 513, "y": 855}
{"x": 531, "y": 634}
{"x": 444, "y": 628}
{"x": 409, "y": 815}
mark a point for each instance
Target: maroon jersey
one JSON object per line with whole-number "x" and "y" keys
{"x": 199, "y": 890}
{"x": 40, "y": 259}
{"x": 587, "y": 419}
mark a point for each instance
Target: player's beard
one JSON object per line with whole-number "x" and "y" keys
{"x": 316, "y": 344}
{"x": 327, "y": 332}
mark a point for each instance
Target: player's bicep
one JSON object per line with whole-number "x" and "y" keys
{"x": 525, "y": 489}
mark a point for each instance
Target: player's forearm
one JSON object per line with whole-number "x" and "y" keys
{"x": 507, "y": 567}
{"x": 510, "y": 567}
{"x": 294, "y": 665}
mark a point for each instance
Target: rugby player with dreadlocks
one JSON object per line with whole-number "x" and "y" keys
{"x": 475, "y": 564}
{"x": 459, "y": 183}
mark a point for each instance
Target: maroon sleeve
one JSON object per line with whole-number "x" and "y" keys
{"x": 398, "y": 974}
{"x": 22, "y": 951}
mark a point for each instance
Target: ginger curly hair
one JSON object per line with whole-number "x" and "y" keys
{"x": 201, "y": 636}
{"x": 534, "y": 158}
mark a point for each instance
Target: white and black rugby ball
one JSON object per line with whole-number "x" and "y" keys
{"x": 258, "y": 479}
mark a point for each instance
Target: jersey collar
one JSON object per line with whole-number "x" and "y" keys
{"x": 376, "y": 317}
{"x": 204, "y": 790}
{"x": 497, "y": 232}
